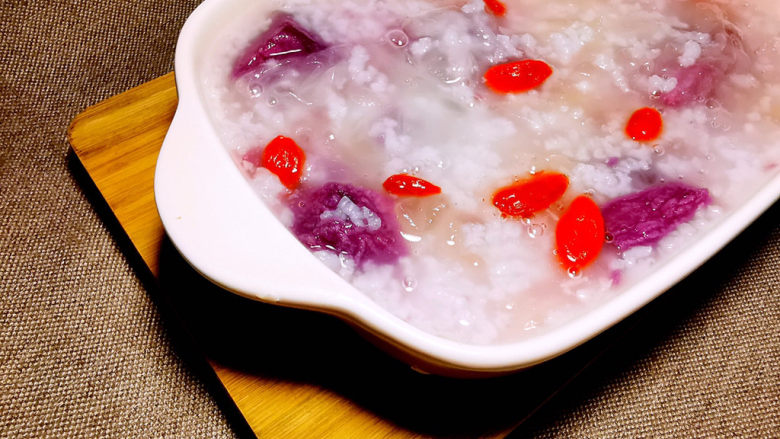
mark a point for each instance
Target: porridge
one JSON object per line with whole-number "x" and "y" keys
{"x": 487, "y": 170}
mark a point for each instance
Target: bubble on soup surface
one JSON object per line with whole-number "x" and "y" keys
{"x": 397, "y": 38}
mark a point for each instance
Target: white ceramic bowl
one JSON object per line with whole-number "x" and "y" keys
{"x": 226, "y": 233}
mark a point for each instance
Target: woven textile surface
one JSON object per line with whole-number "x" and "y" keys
{"x": 85, "y": 351}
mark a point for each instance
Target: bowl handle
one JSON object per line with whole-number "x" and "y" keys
{"x": 225, "y": 231}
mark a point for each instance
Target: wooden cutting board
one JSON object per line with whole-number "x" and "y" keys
{"x": 291, "y": 373}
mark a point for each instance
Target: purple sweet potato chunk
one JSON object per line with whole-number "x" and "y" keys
{"x": 643, "y": 218}
{"x": 339, "y": 235}
{"x": 283, "y": 40}
{"x": 695, "y": 84}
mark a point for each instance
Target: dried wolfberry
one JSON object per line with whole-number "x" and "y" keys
{"x": 283, "y": 157}
{"x": 495, "y": 7}
{"x": 579, "y": 234}
{"x": 517, "y": 76}
{"x": 644, "y": 125}
{"x": 410, "y": 186}
{"x": 532, "y": 195}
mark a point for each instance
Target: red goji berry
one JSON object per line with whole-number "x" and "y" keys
{"x": 644, "y": 125}
{"x": 495, "y": 7}
{"x": 532, "y": 195}
{"x": 283, "y": 157}
{"x": 579, "y": 234}
{"x": 410, "y": 186}
{"x": 517, "y": 76}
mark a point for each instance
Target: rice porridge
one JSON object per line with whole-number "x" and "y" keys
{"x": 486, "y": 170}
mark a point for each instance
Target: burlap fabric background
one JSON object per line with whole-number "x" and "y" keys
{"x": 85, "y": 353}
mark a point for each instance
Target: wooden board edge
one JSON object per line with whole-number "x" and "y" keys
{"x": 75, "y": 127}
